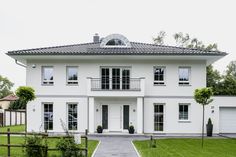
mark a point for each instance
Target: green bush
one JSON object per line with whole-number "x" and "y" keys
{"x": 68, "y": 148}
{"x": 34, "y": 147}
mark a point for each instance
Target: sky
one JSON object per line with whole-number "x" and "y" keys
{"x": 31, "y": 24}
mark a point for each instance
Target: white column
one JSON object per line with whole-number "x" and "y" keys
{"x": 140, "y": 115}
{"x": 91, "y": 114}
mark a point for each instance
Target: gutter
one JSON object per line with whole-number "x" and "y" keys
{"x": 20, "y": 64}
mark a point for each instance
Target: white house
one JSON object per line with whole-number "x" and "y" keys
{"x": 117, "y": 83}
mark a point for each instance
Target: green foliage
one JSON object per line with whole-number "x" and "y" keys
{"x": 203, "y": 96}
{"x": 25, "y": 95}
{"x": 68, "y": 148}
{"x": 35, "y": 147}
{"x": 5, "y": 86}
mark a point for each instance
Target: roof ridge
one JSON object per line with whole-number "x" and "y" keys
{"x": 49, "y": 47}
{"x": 170, "y": 46}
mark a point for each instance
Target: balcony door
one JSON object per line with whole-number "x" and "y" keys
{"x": 115, "y": 78}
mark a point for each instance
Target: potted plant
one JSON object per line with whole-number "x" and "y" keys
{"x": 99, "y": 129}
{"x": 209, "y": 127}
{"x": 131, "y": 129}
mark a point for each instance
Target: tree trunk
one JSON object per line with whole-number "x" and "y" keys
{"x": 203, "y": 123}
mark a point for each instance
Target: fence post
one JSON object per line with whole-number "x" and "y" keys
{"x": 86, "y": 142}
{"x": 8, "y": 143}
{"x": 46, "y": 142}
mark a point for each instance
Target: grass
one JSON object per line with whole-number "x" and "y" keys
{"x": 15, "y": 128}
{"x": 188, "y": 148}
{"x": 18, "y": 152}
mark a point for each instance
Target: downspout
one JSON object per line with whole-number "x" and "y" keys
{"x": 20, "y": 64}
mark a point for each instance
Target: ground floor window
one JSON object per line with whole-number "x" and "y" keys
{"x": 72, "y": 116}
{"x": 183, "y": 111}
{"x": 48, "y": 116}
{"x": 158, "y": 117}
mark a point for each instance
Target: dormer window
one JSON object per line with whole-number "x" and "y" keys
{"x": 115, "y": 40}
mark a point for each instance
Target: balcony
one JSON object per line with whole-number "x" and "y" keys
{"x": 116, "y": 86}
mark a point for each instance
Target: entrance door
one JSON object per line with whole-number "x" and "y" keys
{"x": 114, "y": 118}
{"x": 126, "y": 117}
{"x": 105, "y": 116}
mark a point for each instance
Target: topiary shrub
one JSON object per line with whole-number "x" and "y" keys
{"x": 209, "y": 127}
{"x": 131, "y": 129}
{"x": 99, "y": 129}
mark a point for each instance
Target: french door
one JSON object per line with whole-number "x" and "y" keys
{"x": 115, "y": 78}
{"x": 158, "y": 117}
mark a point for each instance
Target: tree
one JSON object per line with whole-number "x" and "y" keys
{"x": 214, "y": 80}
{"x": 203, "y": 97}
{"x": 160, "y": 38}
{"x": 5, "y": 86}
{"x": 25, "y": 95}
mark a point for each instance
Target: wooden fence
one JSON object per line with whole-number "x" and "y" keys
{"x": 12, "y": 117}
{"x": 45, "y": 136}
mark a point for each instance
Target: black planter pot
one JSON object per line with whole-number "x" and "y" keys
{"x": 131, "y": 130}
{"x": 209, "y": 129}
{"x": 99, "y": 129}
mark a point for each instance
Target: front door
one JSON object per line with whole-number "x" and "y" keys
{"x": 126, "y": 117}
{"x": 115, "y": 118}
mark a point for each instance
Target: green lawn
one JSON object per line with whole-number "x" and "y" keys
{"x": 17, "y": 152}
{"x": 188, "y": 148}
{"x": 16, "y": 128}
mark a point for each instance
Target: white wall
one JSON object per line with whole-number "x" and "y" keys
{"x": 35, "y": 113}
{"x": 91, "y": 68}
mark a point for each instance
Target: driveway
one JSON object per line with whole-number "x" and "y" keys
{"x": 117, "y": 146}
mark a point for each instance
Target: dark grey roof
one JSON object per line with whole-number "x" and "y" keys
{"x": 95, "y": 49}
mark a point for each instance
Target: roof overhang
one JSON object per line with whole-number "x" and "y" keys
{"x": 209, "y": 59}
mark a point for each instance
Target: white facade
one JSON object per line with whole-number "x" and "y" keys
{"x": 117, "y": 108}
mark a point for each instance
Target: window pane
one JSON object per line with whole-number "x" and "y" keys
{"x": 159, "y": 73}
{"x": 72, "y": 73}
{"x": 114, "y": 42}
{"x": 183, "y": 112}
{"x": 48, "y": 73}
{"x": 48, "y": 116}
{"x": 72, "y": 116}
{"x": 183, "y": 74}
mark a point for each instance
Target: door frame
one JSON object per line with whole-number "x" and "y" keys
{"x": 121, "y": 106}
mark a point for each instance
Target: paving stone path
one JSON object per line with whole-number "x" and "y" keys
{"x": 115, "y": 147}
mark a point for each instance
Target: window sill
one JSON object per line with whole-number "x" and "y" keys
{"x": 185, "y": 85}
{"x": 159, "y": 84}
{"x": 47, "y": 84}
{"x": 184, "y": 121}
{"x": 72, "y": 84}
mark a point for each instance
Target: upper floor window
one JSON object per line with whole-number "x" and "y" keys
{"x": 183, "y": 111}
{"x": 47, "y": 75}
{"x": 72, "y": 74}
{"x": 184, "y": 75}
{"x": 159, "y": 75}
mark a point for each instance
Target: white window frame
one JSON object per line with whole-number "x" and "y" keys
{"x": 184, "y": 104}
{"x": 157, "y": 82}
{"x": 71, "y": 82}
{"x": 184, "y": 83}
{"x": 67, "y": 108}
{"x": 43, "y": 105}
{"x": 164, "y": 116}
{"x": 47, "y": 82}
